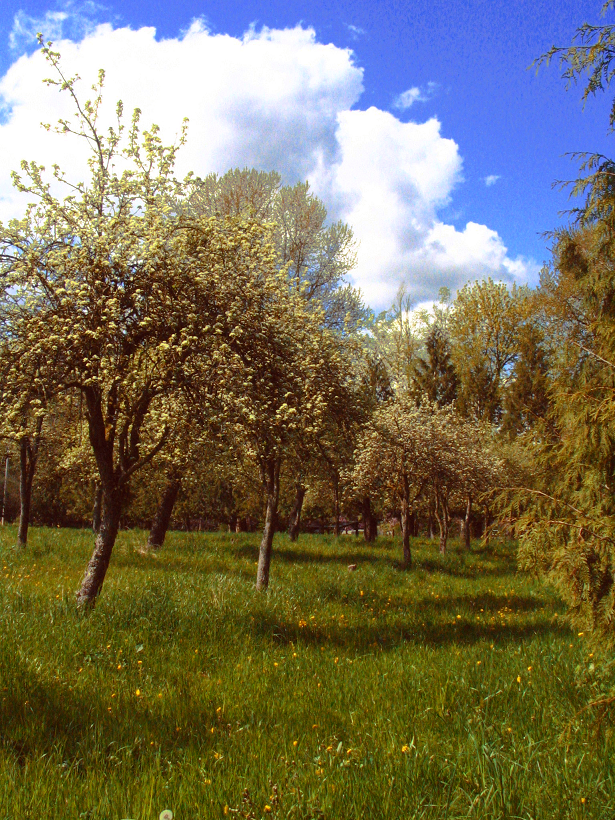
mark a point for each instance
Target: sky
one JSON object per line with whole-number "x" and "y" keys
{"x": 420, "y": 124}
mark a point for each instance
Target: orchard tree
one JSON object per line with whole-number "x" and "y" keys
{"x": 409, "y": 452}
{"x": 120, "y": 293}
{"x": 292, "y": 371}
{"x": 23, "y": 405}
{"x": 315, "y": 256}
{"x": 392, "y": 458}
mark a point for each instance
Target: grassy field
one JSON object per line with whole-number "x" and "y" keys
{"x": 447, "y": 691}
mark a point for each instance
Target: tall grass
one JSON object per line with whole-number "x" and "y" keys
{"x": 446, "y": 691}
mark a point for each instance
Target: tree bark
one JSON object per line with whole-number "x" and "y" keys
{"x": 98, "y": 494}
{"x": 6, "y": 483}
{"x": 271, "y": 480}
{"x": 162, "y": 518}
{"x": 370, "y": 527}
{"x": 414, "y": 524}
{"x": 486, "y": 532}
{"x": 406, "y": 523}
{"x": 336, "y": 505}
{"x": 28, "y": 458}
{"x": 94, "y": 577}
{"x": 295, "y": 514}
{"x": 443, "y": 517}
{"x": 467, "y": 535}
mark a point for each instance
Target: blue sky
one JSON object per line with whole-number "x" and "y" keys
{"x": 417, "y": 122}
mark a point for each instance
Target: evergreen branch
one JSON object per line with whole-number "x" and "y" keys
{"x": 592, "y": 353}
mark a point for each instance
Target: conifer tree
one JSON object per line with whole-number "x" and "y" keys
{"x": 435, "y": 374}
{"x": 566, "y": 513}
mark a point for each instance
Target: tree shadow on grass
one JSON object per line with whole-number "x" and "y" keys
{"x": 44, "y": 716}
{"x": 168, "y": 563}
{"x": 300, "y": 556}
{"x": 427, "y": 623}
{"x": 459, "y": 568}
{"x": 391, "y": 636}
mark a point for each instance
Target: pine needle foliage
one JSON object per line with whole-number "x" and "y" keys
{"x": 566, "y": 512}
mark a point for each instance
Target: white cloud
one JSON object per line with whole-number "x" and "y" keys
{"x": 491, "y": 180}
{"x": 272, "y": 99}
{"x": 73, "y": 20}
{"x": 392, "y": 179}
{"x": 415, "y": 94}
{"x": 355, "y": 31}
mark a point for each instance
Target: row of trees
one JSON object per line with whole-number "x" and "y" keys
{"x": 191, "y": 348}
{"x": 167, "y": 332}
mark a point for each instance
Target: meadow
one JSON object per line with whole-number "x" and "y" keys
{"x": 451, "y": 690}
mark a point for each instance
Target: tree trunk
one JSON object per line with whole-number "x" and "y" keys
{"x": 336, "y": 505}
{"x": 295, "y": 514}
{"x": 406, "y": 523}
{"x": 25, "y": 492}
{"x": 6, "y": 483}
{"x": 271, "y": 480}
{"x": 431, "y": 526}
{"x": 94, "y": 577}
{"x": 443, "y": 517}
{"x": 414, "y": 525}
{"x": 232, "y": 523}
{"x": 98, "y": 494}
{"x": 162, "y": 518}
{"x": 486, "y": 532}
{"x": 28, "y": 458}
{"x": 370, "y": 528}
{"x": 467, "y": 535}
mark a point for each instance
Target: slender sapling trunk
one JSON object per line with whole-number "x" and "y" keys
{"x": 271, "y": 480}
{"x": 467, "y": 534}
{"x": 406, "y": 522}
{"x": 28, "y": 458}
{"x": 336, "y": 505}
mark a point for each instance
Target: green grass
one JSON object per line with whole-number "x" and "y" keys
{"x": 447, "y": 691}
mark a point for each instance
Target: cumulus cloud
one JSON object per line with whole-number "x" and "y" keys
{"x": 393, "y": 178}
{"x": 491, "y": 180}
{"x": 271, "y": 99}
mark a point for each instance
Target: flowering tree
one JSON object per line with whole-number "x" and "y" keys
{"x": 122, "y": 294}
{"x": 409, "y": 452}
